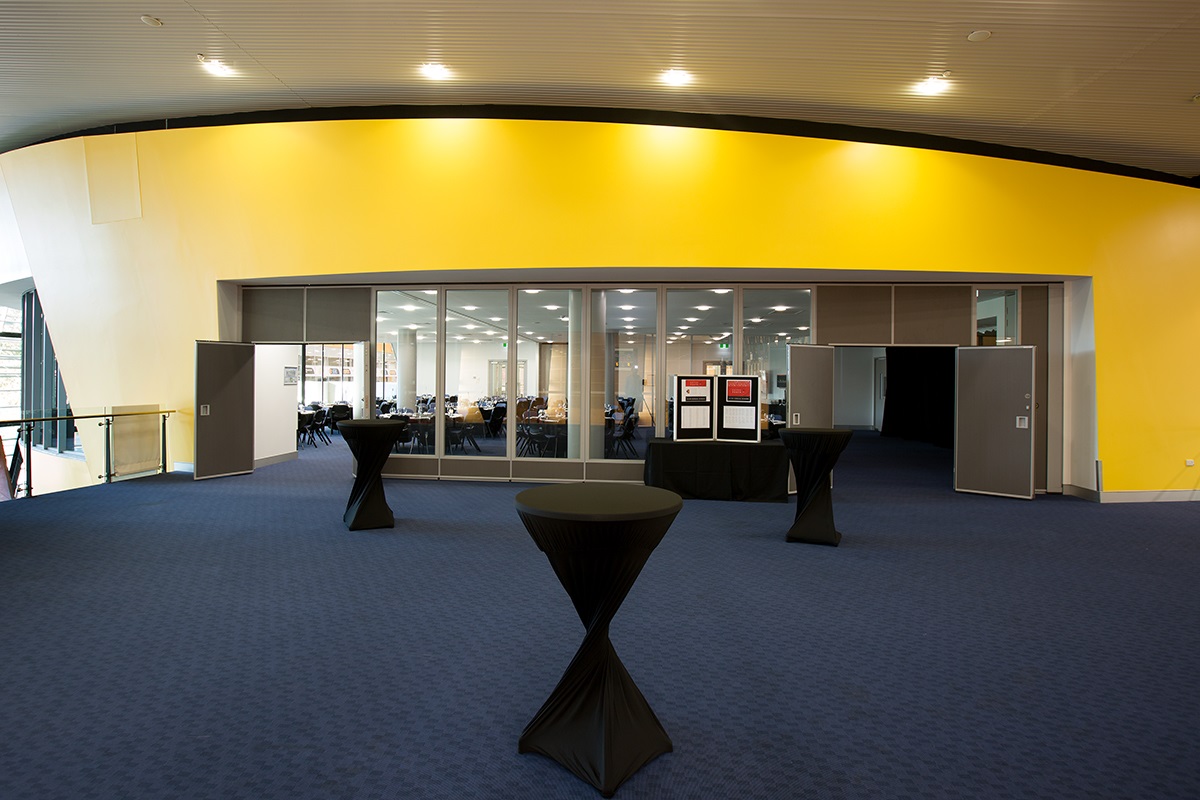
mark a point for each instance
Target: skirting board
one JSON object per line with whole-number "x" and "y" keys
{"x": 183, "y": 466}
{"x": 1166, "y": 496}
{"x": 279, "y": 459}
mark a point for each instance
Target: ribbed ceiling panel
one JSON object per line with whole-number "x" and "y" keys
{"x": 1110, "y": 80}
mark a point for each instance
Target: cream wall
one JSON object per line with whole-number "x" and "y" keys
{"x": 125, "y": 299}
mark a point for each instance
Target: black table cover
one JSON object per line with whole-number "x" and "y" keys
{"x": 719, "y": 470}
{"x": 597, "y": 537}
{"x": 814, "y": 451}
{"x": 370, "y": 441}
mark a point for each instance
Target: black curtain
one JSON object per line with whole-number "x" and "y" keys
{"x": 920, "y": 395}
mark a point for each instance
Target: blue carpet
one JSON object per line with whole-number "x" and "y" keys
{"x": 164, "y": 638}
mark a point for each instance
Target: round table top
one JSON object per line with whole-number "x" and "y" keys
{"x": 369, "y": 423}
{"x": 598, "y": 502}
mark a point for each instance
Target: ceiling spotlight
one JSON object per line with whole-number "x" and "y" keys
{"x": 214, "y": 66}
{"x": 934, "y": 85}
{"x": 675, "y": 77}
{"x": 703, "y": 308}
{"x": 435, "y": 72}
{"x": 979, "y": 36}
{"x": 153, "y": 22}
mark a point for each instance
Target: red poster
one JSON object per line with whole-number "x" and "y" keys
{"x": 737, "y": 391}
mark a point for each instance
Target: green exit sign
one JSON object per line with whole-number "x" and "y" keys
{"x": 723, "y": 346}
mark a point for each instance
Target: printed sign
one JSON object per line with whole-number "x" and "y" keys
{"x": 738, "y": 391}
{"x": 696, "y": 390}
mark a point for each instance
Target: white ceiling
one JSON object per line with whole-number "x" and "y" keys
{"x": 1112, "y": 80}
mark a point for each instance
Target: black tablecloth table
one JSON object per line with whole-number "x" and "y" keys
{"x": 718, "y": 470}
{"x": 597, "y": 538}
{"x": 370, "y": 441}
{"x": 814, "y": 451}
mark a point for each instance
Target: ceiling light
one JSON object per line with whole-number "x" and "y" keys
{"x": 214, "y": 66}
{"x": 626, "y": 291}
{"x": 779, "y": 308}
{"x": 979, "y": 36}
{"x": 934, "y": 85}
{"x": 429, "y": 291}
{"x": 675, "y": 77}
{"x": 628, "y": 319}
{"x": 802, "y": 328}
{"x": 703, "y": 308}
{"x": 691, "y": 319}
{"x": 529, "y": 333}
{"x": 413, "y": 327}
{"x": 460, "y": 338}
{"x": 470, "y": 327}
{"x": 496, "y": 319}
{"x": 153, "y": 22}
{"x": 532, "y": 291}
{"x": 684, "y": 327}
{"x": 540, "y": 338}
{"x": 381, "y": 319}
{"x": 552, "y": 308}
{"x": 470, "y": 308}
{"x": 476, "y": 341}
{"x": 435, "y": 72}
{"x": 722, "y": 291}
{"x": 709, "y": 341}
{"x": 626, "y": 308}
{"x": 489, "y": 333}
{"x": 755, "y": 319}
{"x": 564, "y": 319}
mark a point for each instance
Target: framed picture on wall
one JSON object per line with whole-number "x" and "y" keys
{"x": 291, "y": 376}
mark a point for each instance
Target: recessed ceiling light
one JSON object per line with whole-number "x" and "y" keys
{"x": 779, "y": 308}
{"x": 460, "y": 338}
{"x": 552, "y": 308}
{"x": 755, "y": 319}
{"x": 529, "y": 333}
{"x": 675, "y": 77}
{"x": 626, "y": 308}
{"x": 381, "y": 319}
{"x": 628, "y": 327}
{"x": 934, "y": 85}
{"x": 470, "y": 308}
{"x": 429, "y": 291}
{"x": 802, "y": 328}
{"x": 703, "y": 308}
{"x": 496, "y": 319}
{"x": 691, "y": 319}
{"x": 532, "y": 291}
{"x": 413, "y": 326}
{"x": 684, "y": 327}
{"x": 470, "y": 327}
{"x": 709, "y": 341}
{"x": 435, "y": 72}
{"x": 214, "y": 66}
{"x": 722, "y": 291}
{"x": 153, "y": 22}
{"x": 626, "y": 291}
{"x": 973, "y": 36}
{"x": 540, "y": 338}
{"x": 628, "y": 319}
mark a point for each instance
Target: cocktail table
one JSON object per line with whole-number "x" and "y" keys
{"x": 597, "y": 537}
{"x": 370, "y": 440}
{"x": 814, "y": 451}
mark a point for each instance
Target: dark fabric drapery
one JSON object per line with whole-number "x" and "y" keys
{"x": 920, "y": 395}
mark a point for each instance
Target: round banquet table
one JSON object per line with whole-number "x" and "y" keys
{"x": 597, "y": 537}
{"x": 370, "y": 441}
{"x": 813, "y": 452}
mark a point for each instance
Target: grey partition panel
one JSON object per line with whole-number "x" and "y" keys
{"x": 993, "y": 421}
{"x": 859, "y": 314}
{"x": 934, "y": 315}
{"x": 338, "y": 315}
{"x": 224, "y": 409}
{"x": 1035, "y": 330}
{"x": 272, "y": 315}
{"x": 810, "y": 386}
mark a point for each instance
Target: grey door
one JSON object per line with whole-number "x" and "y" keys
{"x": 224, "y": 409}
{"x": 810, "y": 386}
{"x": 993, "y": 421}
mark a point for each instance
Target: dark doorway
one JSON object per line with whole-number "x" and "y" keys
{"x": 920, "y": 395}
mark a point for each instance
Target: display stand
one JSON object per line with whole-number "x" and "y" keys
{"x": 695, "y": 404}
{"x": 737, "y": 414}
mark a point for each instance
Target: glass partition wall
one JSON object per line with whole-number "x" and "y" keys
{"x": 624, "y": 324}
{"x": 497, "y": 382}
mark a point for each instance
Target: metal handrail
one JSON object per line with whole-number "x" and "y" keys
{"x": 26, "y": 424}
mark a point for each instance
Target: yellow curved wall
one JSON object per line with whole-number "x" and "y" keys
{"x": 126, "y": 299}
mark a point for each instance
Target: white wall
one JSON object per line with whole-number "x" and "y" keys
{"x": 854, "y": 385}
{"x": 274, "y": 402}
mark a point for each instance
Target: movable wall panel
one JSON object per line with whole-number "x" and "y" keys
{"x": 1035, "y": 329}
{"x": 933, "y": 315}
{"x": 338, "y": 315}
{"x": 853, "y": 314}
{"x": 272, "y": 315}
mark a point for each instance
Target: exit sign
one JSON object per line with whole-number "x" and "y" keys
{"x": 723, "y": 346}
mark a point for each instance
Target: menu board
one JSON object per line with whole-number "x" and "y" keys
{"x": 737, "y": 411}
{"x": 693, "y": 416}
